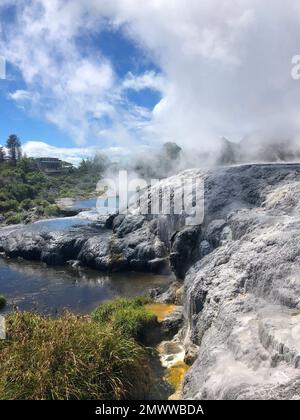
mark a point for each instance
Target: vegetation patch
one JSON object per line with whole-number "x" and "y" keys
{"x": 130, "y": 317}
{"x": 75, "y": 357}
{"x": 28, "y": 193}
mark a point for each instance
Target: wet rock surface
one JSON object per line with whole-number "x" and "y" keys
{"x": 172, "y": 323}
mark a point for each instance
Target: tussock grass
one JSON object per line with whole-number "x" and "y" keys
{"x": 73, "y": 357}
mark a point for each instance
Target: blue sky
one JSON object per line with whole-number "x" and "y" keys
{"x": 110, "y": 75}
{"x": 126, "y": 59}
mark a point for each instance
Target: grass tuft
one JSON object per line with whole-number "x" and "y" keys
{"x": 127, "y": 316}
{"x": 74, "y": 357}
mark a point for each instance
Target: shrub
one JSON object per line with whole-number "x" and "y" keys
{"x": 27, "y": 204}
{"x": 8, "y": 205}
{"x": 13, "y": 218}
{"x": 4, "y": 195}
{"x": 128, "y": 316}
{"x": 51, "y": 210}
{"x": 2, "y": 302}
{"x": 71, "y": 357}
{"x": 21, "y": 191}
{"x": 41, "y": 202}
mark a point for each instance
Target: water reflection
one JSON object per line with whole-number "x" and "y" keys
{"x": 31, "y": 285}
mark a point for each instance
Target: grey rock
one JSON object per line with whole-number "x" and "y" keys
{"x": 116, "y": 221}
{"x": 185, "y": 249}
{"x": 172, "y": 295}
{"x": 172, "y": 323}
{"x": 205, "y": 248}
{"x": 242, "y": 299}
{"x": 191, "y": 354}
{"x": 133, "y": 247}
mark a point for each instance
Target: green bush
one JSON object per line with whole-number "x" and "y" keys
{"x": 105, "y": 312}
{"x": 8, "y": 205}
{"x": 27, "y": 204}
{"x": 129, "y": 316}
{"x": 4, "y": 195}
{"x": 51, "y": 210}
{"x": 2, "y": 302}
{"x": 41, "y": 203}
{"x": 13, "y": 218}
{"x": 22, "y": 191}
{"x": 71, "y": 357}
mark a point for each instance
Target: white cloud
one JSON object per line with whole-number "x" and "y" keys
{"x": 77, "y": 91}
{"x": 227, "y": 65}
{"x": 148, "y": 80}
{"x": 88, "y": 79}
{"x": 20, "y": 96}
{"x": 70, "y": 154}
{"x": 225, "y": 68}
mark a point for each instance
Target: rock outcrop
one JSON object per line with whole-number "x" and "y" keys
{"x": 133, "y": 245}
{"x": 242, "y": 300}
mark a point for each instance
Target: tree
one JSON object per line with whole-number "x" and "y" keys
{"x": 95, "y": 166}
{"x": 13, "y": 145}
{"x": 2, "y": 154}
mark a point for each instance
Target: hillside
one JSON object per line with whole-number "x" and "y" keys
{"x": 28, "y": 194}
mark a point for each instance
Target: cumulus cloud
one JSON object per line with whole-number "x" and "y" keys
{"x": 228, "y": 66}
{"x": 225, "y": 68}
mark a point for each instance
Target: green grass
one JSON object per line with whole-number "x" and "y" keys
{"x": 73, "y": 357}
{"x": 129, "y": 316}
{"x": 2, "y": 302}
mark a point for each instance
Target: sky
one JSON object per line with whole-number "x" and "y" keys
{"x": 123, "y": 75}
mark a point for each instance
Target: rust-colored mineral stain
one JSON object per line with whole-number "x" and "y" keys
{"x": 176, "y": 373}
{"x": 161, "y": 310}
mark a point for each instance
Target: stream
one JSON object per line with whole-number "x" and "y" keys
{"x": 50, "y": 290}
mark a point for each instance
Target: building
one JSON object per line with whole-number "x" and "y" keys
{"x": 53, "y": 166}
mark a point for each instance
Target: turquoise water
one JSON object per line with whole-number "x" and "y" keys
{"x": 93, "y": 203}
{"x": 63, "y": 223}
{"x": 88, "y": 203}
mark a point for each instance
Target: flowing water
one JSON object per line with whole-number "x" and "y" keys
{"x": 171, "y": 353}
